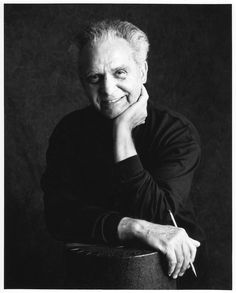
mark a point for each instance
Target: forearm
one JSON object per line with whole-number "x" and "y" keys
{"x": 123, "y": 144}
{"x": 70, "y": 218}
{"x": 148, "y": 190}
{"x": 173, "y": 242}
{"x": 85, "y": 224}
{"x": 130, "y": 228}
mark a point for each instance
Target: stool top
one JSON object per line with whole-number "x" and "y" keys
{"x": 107, "y": 251}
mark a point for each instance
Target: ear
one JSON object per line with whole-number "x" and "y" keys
{"x": 144, "y": 71}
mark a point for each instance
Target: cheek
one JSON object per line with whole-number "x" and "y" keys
{"x": 135, "y": 90}
{"x": 131, "y": 85}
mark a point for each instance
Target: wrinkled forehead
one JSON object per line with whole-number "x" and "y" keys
{"x": 110, "y": 51}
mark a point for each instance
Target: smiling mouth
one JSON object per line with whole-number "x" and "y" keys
{"x": 111, "y": 102}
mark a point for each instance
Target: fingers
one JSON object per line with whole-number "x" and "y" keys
{"x": 193, "y": 253}
{"x": 195, "y": 242}
{"x": 143, "y": 121}
{"x": 144, "y": 93}
{"x": 139, "y": 109}
{"x": 187, "y": 256}
{"x": 180, "y": 260}
{"x": 194, "y": 245}
{"x": 179, "y": 249}
{"x": 172, "y": 261}
{"x": 181, "y": 257}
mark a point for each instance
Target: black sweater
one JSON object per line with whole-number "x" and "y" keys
{"x": 87, "y": 194}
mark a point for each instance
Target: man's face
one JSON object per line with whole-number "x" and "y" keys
{"x": 111, "y": 77}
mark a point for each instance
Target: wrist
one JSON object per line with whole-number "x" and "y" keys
{"x": 123, "y": 143}
{"x": 121, "y": 130}
{"x": 130, "y": 228}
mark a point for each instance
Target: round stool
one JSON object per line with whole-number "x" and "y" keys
{"x": 105, "y": 267}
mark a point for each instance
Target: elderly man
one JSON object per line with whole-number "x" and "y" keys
{"x": 116, "y": 168}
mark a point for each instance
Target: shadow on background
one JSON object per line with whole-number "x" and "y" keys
{"x": 189, "y": 71}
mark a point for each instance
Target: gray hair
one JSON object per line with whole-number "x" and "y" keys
{"x": 137, "y": 39}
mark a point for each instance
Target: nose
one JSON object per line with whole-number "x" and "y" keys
{"x": 108, "y": 86}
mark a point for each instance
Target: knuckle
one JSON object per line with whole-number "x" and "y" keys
{"x": 169, "y": 247}
{"x": 182, "y": 231}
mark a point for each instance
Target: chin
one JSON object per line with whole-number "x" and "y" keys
{"x": 112, "y": 113}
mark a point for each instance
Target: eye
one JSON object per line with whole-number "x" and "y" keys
{"x": 121, "y": 73}
{"x": 93, "y": 78}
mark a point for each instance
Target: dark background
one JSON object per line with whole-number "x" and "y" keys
{"x": 189, "y": 71}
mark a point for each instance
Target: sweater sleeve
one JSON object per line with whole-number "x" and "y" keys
{"x": 163, "y": 181}
{"x": 68, "y": 216}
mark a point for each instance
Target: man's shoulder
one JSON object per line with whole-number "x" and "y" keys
{"x": 76, "y": 115}
{"x": 169, "y": 122}
{"x": 73, "y": 121}
{"x": 164, "y": 113}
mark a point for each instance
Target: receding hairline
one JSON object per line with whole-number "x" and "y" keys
{"x": 105, "y": 29}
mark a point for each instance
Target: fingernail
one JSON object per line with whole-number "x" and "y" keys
{"x": 175, "y": 276}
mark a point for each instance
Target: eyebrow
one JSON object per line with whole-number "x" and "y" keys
{"x": 95, "y": 71}
{"x": 120, "y": 67}
{"x": 91, "y": 72}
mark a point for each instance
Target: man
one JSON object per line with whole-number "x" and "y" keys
{"x": 116, "y": 168}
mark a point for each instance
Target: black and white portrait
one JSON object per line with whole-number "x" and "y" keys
{"x": 118, "y": 146}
